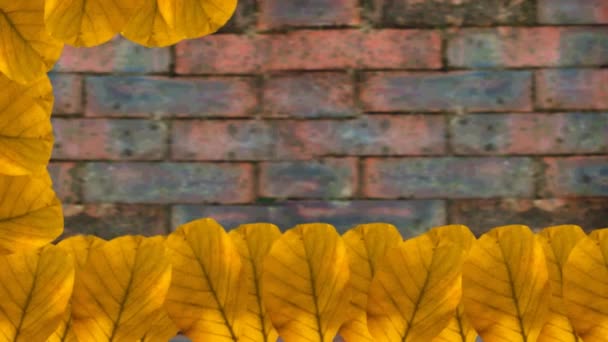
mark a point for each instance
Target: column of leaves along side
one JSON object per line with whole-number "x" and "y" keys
{"x": 304, "y": 283}
{"x": 585, "y": 286}
{"x": 558, "y": 242}
{"x": 207, "y": 297}
{"x": 506, "y": 286}
{"x": 36, "y": 288}
{"x": 366, "y": 246}
{"x": 416, "y": 289}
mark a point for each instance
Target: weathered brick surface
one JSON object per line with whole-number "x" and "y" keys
{"x": 573, "y": 12}
{"x": 455, "y": 91}
{"x": 483, "y": 215}
{"x": 310, "y": 50}
{"x": 310, "y": 95}
{"x": 67, "y": 89}
{"x": 373, "y": 135}
{"x": 109, "y": 139}
{"x": 455, "y": 12}
{"x": 161, "y": 96}
{"x": 112, "y": 220}
{"x": 410, "y": 217}
{"x": 343, "y": 111}
{"x": 222, "y": 140}
{"x": 328, "y": 178}
{"x": 167, "y": 183}
{"x": 528, "y": 47}
{"x": 572, "y": 89}
{"x": 576, "y": 176}
{"x": 555, "y": 133}
{"x": 118, "y": 55}
{"x": 448, "y": 177}
{"x": 279, "y": 13}
{"x": 66, "y": 178}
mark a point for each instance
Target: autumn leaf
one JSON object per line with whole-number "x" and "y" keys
{"x": 585, "y": 286}
{"x": 557, "y": 243}
{"x": 27, "y": 51}
{"x": 305, "y": 283}
{"x": 253, "y": 242}
{"x": 196, "y": 18}
{"x": 506, "y": 286}
{"x": 88, "y": 22}
{"x": 459, "y": 329}
{"x": 30, "y": 213}
{"x": 120, "y": 289}
{"x": 26, "y": 134}
{"x": 35, "y": 289}
{"x": 366, "y": 245}
{"x": 149, "y": 27}
{"x": 416, "y": 290}
{"x": 162, "y": 329}
{"x": 207, "y": 297}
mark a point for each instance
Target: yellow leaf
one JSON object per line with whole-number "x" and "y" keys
{"x": 585, "y": 286}
{"x": 26, "y": 134}
{"x": 88, "y": 22}
{"x": 207, "y": 298}
{"x": 505, "y": 285}
{"x": 162, "y": 330}
{"x": 253, "y": 242}
{"x": 557, "y": 243}
{"x": 459, "y": 328}
{"x": 366, "y": 245}
{"x": 27, "y": 51}
{"x": 196, "y": 18}
{"x": 305, "y": 283}
{"x": 35, "y": 288}
{"x": 78, "y": 247}
{"x": 120, "y": 289}
{"x": 149, "y": 28}
{"x": 416, "y": 290}
{"x": 30, "y": 213}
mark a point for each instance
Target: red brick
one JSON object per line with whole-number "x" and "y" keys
{"x": 379, "y": 135}
{"x": 87, "y": 139}
{"x": 410, "y": 217}
{"x": 67, "y": 89}
{"x": 576, "y": 176}
{"x": 168, "y": 183}
{"x": 559, "y": 133}
{"x": 310, "y": 95}
{"x": 528, "y": 47}
{"x": 128, "y": 96}
{"x": 329, "y": 178}
{"x": 572, "y": 89}
{"x": 455, "y": 91}
{"x": 483, "y": 215}
{"x": 448, "y": 177}
{"x": 455, "y": 12}
{"x": 118, "y": 55}
{"x": 66, "y": 181}
{"x": 222, "y": 140}
{"x": 113, "y": 220}
{"x": 280, "y": 13}
{"x": 340, "y": 49}
{"x": 310, "y": 50}
{"x": 572, "y": 12}
{"x": 221, "y": 54}
{"x": 243, "y": 18}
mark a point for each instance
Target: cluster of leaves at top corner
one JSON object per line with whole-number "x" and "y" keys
{"x": 32, "y": 36}
{"x": 255, "y": 283}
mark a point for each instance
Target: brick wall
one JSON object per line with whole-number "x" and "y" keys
{"x": 414, "y": 112}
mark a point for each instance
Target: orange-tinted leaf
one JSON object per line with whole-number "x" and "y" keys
{"x": 26, "y": 134}
{"x": 366, "y": 245}
{"x": 27, "y": 51}
{"x": 253, "y": 241}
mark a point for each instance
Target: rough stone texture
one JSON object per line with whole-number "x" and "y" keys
{"x": 343, "y": 111}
